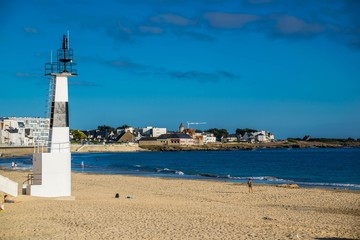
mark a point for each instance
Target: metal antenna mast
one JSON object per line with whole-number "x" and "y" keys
{"x": 194, "y": 123}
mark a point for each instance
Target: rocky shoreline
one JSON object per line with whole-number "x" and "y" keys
{"x": 23, "y": 151}
{"x": 253, "y": 146}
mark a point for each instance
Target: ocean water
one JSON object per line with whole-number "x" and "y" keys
{"x": 327, "y": 168}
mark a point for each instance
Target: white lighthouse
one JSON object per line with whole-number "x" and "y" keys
{"x": 51, "y": 175}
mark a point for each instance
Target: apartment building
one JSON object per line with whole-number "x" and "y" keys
{"x": 24, "y": 131}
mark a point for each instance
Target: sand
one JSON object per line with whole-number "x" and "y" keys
{"x": 181, "y": 209}
{"x": 133, "y": 147}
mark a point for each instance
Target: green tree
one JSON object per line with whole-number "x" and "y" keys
{"x": 78, "y": 135}
{"x": 218, "y": 133}
{"x": 106, "y": 128}
{"x": 242, "y": 131}
{"x": 123, "y": 126}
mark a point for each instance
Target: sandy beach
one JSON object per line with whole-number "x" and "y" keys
{"x": 180, "y": 209}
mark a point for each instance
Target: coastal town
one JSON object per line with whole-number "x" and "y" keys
{"x": 29, "y": 131}
{"x": 21, "y": 135}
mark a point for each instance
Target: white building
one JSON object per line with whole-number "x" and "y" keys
{"x": 264, "y": 136}
{"x": 259, "y": 136}
{"x": 124, "y": 130}
{"x": 175, "y": 139}
{"x": 208, "y": 138}
{"x": 156, "y": 132}
{"x": 153, "y": 131}
{"x": 146, "y": 131}
{"x": 24, "y": 131}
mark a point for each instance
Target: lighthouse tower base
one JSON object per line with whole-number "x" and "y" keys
{"x": 51, "y": 175}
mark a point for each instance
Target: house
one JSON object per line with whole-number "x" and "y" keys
{"x": 169, "y": 139}
{"x": 96, "y": 135}
{"x": 208, "y": 138}
{"x": 12, "y": 136}
{"x": 230, "y": 138}
{"x": 111, "y": 137}
{"x": 264, "y": 136}
{"x": 126, "y": 137}
{"x": 149, "y": 141}
{"x": 198, "y": 138}
{"x": 306, "y": 138}
{"x": 123, "y": 130}
{"x": 176, "y": 139}
{"x": 147, "y": 131}
{"x": 259, "y": 136}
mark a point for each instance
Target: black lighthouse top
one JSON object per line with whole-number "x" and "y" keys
{"x": 64, "y": 63}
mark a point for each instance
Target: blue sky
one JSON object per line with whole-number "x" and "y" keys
{"x": 288, "y": 66}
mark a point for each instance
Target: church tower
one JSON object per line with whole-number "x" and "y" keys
{"x": 181, "y": 128}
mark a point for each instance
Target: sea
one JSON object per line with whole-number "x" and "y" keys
{"x": 309, "y": 167}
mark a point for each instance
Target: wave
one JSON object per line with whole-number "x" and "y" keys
{"x": 138, "y": 169}
{"x": 275, "y": 180}
{"x": 259, "y": 178}
{"x": 169, "y": 171}
{"x": 23, "y": 168}
{"x": 330, "y": 185}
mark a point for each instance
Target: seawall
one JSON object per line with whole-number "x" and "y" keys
{"x": 106, "y": 148}
{"x": 11, "y": 151}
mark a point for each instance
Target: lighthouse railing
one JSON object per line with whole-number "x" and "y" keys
{"x": 59, "y": 147}
{"x": 42, "y": 147}
{"x": 57, "y": 67}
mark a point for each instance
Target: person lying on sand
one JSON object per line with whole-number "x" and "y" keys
{"x": 8, "y": 200}
{"x": 2, "y": 207}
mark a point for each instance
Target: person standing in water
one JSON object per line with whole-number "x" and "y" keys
{"x": 249, "y": 183}
{"x": 82, "y": 166}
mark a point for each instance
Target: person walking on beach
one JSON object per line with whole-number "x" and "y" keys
{"x": 249, "y": 183}
{"x": 12, "y": 165}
